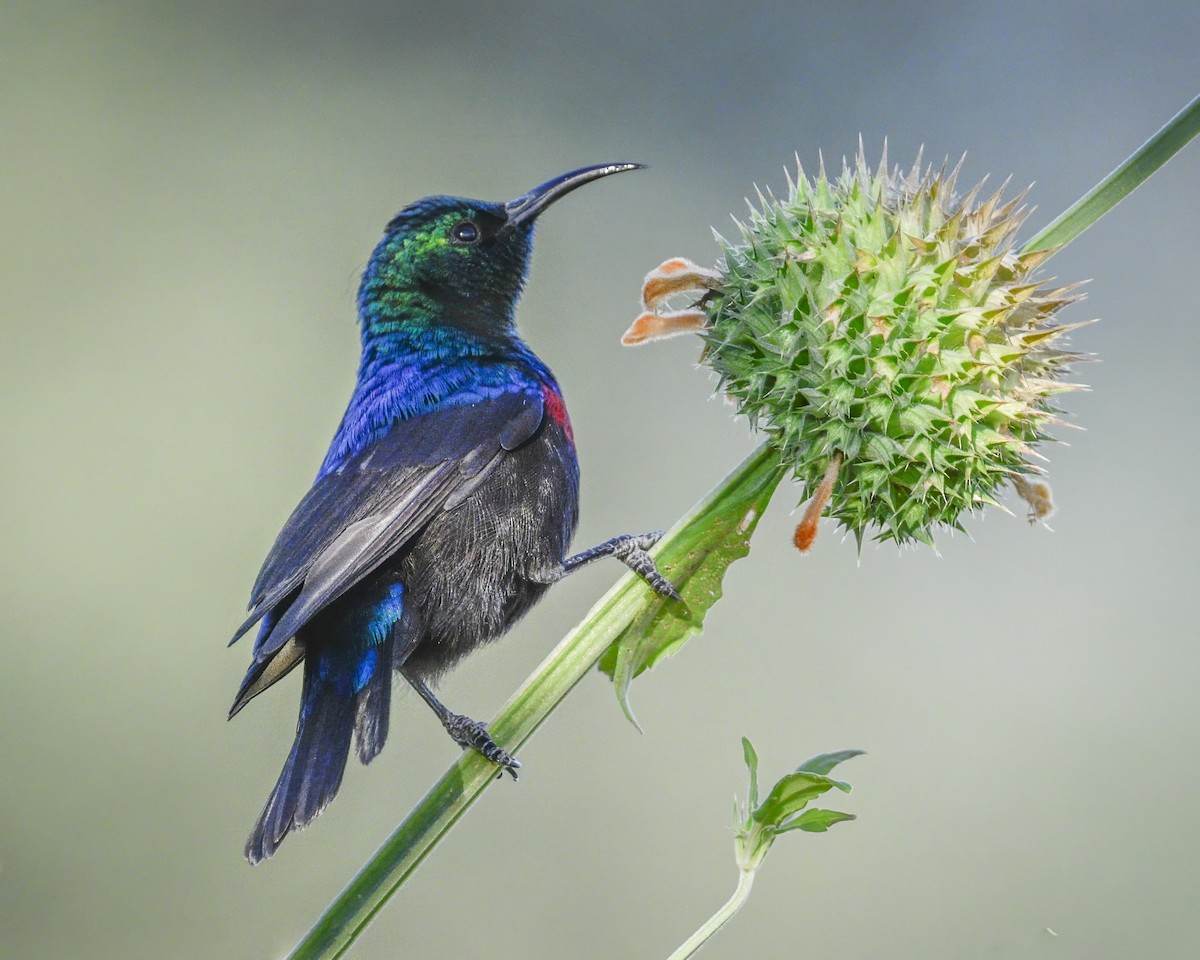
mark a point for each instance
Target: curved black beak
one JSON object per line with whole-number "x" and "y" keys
{"x": 529, "y": 205}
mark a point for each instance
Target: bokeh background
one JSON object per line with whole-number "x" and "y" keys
{"x": 189, "y": 192}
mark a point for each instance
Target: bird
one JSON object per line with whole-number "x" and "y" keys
{"x": 443, "y": 510}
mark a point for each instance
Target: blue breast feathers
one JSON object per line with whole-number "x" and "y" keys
{"x": 404, "y": 387}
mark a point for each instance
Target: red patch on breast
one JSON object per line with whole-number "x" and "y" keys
{"x": 557, "y": 410}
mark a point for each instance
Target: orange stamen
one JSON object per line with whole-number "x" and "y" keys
{"x": 806, "y": 530}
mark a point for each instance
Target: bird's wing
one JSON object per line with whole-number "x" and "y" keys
{"x": 357, "y": 516}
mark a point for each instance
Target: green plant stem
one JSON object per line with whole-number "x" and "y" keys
{"x": 1114, "y": 188}
{"x": 346, "y": 917}
{"x": 718, "y": 919}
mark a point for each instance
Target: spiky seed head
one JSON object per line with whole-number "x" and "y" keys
{"x": 882, "y": 319}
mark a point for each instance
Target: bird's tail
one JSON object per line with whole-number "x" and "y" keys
{"x": 346, "y": 693}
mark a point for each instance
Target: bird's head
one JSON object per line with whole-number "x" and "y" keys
{"x": 461, "y": 262}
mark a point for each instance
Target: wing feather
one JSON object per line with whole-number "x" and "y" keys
{"x": 354, "y": 518}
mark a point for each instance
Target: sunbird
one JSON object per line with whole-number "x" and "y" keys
{"x": 443, "y": 510}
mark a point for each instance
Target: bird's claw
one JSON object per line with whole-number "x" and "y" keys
{"x": 471, "y": 733}
{"x": 633, "y": 554}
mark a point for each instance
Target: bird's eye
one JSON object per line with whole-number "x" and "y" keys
{"x": 465, "y": 231}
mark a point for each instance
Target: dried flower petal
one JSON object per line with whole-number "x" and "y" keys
{"x": 660, "y": 326}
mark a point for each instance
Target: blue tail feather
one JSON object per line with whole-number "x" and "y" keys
{"x": 344, "y": 692}
{"x": 374, "y": 706}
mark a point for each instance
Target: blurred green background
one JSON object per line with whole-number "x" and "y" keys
{"x": 189, "y": 193}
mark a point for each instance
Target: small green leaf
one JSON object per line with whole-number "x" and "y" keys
{"x": 815, "y": 821}
{"x": 714, "y": 536}
{"x": 791, "y": 795}
{"x": 752, "y": 764}
{"x": 824, "y": 762}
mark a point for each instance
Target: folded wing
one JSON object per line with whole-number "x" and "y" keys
{"x": 356, "y": 517}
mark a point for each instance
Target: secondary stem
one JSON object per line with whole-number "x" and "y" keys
{"x": 718, "y": 919}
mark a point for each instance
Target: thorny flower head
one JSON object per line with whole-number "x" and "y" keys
{"x": 888, "y": 339}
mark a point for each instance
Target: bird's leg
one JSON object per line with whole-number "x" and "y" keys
{"x": 630, "y": 549}
{"x": 465, "y": 731}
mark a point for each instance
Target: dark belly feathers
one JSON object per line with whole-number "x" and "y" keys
{"x": 476, "y": 569}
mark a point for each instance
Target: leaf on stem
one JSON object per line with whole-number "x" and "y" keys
{"x": 824, "y": 762}
{"x": 752, "y": 764}
{"x": 695, "y": 562}
{"x": 816, "y": 821}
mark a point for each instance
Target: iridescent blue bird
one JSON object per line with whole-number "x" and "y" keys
{"x": 443, "y": 510}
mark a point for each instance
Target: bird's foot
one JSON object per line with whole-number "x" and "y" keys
{"x": 631, "y": 551}
{"x": 471, "y": 733}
